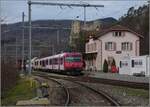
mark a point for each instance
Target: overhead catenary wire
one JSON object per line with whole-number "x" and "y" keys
{"x": 52, "y": 4}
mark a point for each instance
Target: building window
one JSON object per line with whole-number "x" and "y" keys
{"x": 118, "y": 34}
{"x": 126, "y": 46}
{"x": 110, "y": 46}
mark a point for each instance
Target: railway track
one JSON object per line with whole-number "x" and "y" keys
{"x": 67, "y": 98}
{"x": 104, "y": 95}
{"x": 104, "y": 81}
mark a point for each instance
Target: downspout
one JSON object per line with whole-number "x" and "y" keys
{"x": 136, "y": 47}
{"x": 101, "y": 53}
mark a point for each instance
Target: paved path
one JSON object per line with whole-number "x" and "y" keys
{"x": 116, "y": 76}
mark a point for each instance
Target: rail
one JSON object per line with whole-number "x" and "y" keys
{"x": 65, "y": 89}
{"x": 100, "y": 92}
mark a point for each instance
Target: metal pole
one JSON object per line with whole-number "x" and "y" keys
{"x": 57, "y": 36}
{"x": 23, "y": 42}
{"x": 29, "y": 4}
{"x": 53, "y": 49}
{"x": 149, "y": 28}
{"x": 5, "y": 53}
{"x": 149, "y": 45}
{"x": 85, "y": 17}
{"x": 16, "y": 52}
{"x": 58, "y": 40}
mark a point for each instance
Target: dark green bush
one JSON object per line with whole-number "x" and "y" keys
{"x": 105, "y": 66}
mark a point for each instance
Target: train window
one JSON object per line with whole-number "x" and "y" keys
{"x": 61, "y": 61}
{"x": 53, "y": 61}
{"x": 50, "y": 61}
{"x": 43, "y": 63}
{"x": 56, "y": 61}
{"x": 73, "y": 59}
{"x": 40, "y": 62}
{"x": 47, "y": 62}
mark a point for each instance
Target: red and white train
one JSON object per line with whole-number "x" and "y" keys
{"x": 70, "y": 62}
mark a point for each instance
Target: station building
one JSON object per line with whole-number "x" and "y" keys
{"x": 111, "y": 44}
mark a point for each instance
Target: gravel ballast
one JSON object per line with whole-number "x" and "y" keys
{"x": 125, "y": 96}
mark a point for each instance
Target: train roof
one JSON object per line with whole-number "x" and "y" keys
{"x": 58, "y": 55}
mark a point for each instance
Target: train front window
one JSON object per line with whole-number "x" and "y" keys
{"x": 73, "y": 59}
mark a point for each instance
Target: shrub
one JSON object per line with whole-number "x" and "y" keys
{"x": 105, "y": 66}
{"x": 9, "y": 75}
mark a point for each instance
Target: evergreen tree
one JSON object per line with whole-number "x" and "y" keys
{"x": 105, "y": 66}
{"x": 139, "y": 22}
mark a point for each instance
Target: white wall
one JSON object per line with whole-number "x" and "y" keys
{"x": 129, "y": 37}
{"x": 144, "y": 65}
{"x": 103, "y": 54}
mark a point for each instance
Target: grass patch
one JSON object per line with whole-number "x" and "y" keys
{"x": 135, "y": 92}
{"x": 22, "y": 91}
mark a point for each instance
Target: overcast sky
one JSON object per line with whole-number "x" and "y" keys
{"x": 12, "y": 10}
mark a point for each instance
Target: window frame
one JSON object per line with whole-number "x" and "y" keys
{"x": 46, "y": 61}
{"x": 50, "y": 61}
{"x": 118, "y": 33}
{"x": 107, "y": 46}
{"x": 126, "y": 46}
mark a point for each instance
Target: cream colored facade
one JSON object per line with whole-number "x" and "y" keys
{"x": 99, "y": 49}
